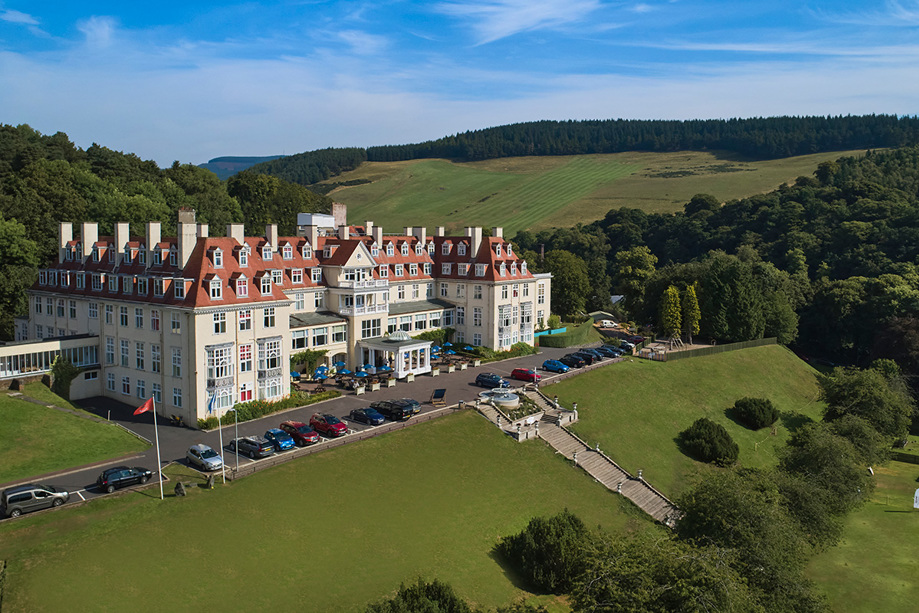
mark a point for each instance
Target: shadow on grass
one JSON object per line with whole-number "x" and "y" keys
{"x": 511, "y": 574}
{"x": 731, "y": 413}
{"x": 794, "y": 421}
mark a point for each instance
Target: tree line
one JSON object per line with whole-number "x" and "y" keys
{"x": 47, "y": 179}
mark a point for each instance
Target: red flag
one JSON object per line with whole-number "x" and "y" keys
{"x": 147, "y": 406}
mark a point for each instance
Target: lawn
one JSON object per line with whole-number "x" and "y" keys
{"x": 546, "y": 191}
{"x": 38, "y": 440}
{"x": 329, "y": 532}
{"x": 636, "y": 408}
{"x": 875, "y": 566}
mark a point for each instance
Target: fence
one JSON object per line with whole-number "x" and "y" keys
{"x": 554, "y": 331}
{"x": 695, "y": 353}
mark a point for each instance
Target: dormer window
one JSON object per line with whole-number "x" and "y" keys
{"x": 288, "y": 252}
{"x": 446, "y": 268}
{"x": 480, "y": 270}
{"x": 384, "y": 272}
{"x": 307, "y": 252}
{"x": 81, "y": 281}
{"x": 327, "y": 252}
{"x": 404, "y": 249}
{"x": 68, "y": 254}
{"x": 523, "y": 267}
{"x": 95, "y": 254}
{"x": 503, "y": 269}
{"x": 316, "y": 275}
{"x": 390, "y": 250}
{"x": 509, "y": 249}
{"x": 97, "y": 282}
{"x": 266, "y": 285}
{"x": 142, "y": 256}
{"x": 296, "y": 275}
{"x": 142, "y": 285}
{"x": 173, "y": 257}
{"x": 127, "y": 285}
{"x": 427, "y": 268}
{"x": 216, "y": 289}
{"x": 157, "y": 257}
{"x": 374, "y": 250}
{"x": 244, "y": 256}
{"x": 178, "y": 288}
{"x": 418, "y": 249}
{"x": 445, "y": 249}
{"x": 431, "y": 248}
{"x": 463, "y": 269}
{"x": 461, "y": 249}
{"x": 413, "y": 269}
{"x": 158, "y": 289}
{"x": 277, "y": 277}
{"x": 242, "y": 287}
{"x": 400, "y": 270}
{"x": 218, "y": 258}
{"x": 266, "y": 252}
{"x": 498, "y": 250}
{"x": 128, "y": 255}
{"x": 111, "y": 255}
{"x": 43, "y": 277}
{"x": 113, "y": 283}
{"x": 513, "y": 268}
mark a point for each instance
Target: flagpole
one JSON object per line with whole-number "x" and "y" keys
{"x": 159, "y": 464}
{"x": 223, "y": 465}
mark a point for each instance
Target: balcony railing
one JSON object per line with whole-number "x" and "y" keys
{"x": 270, "y": 373}
{"x": 364, "y": 310}
{"x": 220, "y": 382}
{"x": 366, "y": 283}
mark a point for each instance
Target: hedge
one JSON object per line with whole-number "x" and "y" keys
{"x": 247, "y": 411}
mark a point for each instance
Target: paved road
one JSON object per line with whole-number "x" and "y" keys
{"x": 174, "y": 441}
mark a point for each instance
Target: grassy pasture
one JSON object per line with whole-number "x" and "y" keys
{"x": 330, "y": 532}
{"x": 635, "y": 409}
{"x": 545, "y": 191}
{"x": 38, "y": 440}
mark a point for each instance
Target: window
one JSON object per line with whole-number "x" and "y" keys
{"x": 526, "y": 290}
{"x": 384, "y": 272}
{"x": 339, "y": 334}
{"x": 427, "y": 268}
{"x": 288, "y": 252}
{"x": 110, "y": 382}
{"x": 477, "y": 317}
{"x": 513, "y": 269}
{"x": 431, "y": 247}
{"x": 244, "y": 257}
{"x": 516, "y": 289}
{"x": 296, "y": 275}
{"x": 477, "y": 339}
{"x": 400, "y": 270}
{"x": 460, "y": 290}
{"x": 541, "y": 293}
{"x": 460, "y": 337}
{"x": 445, "y": 248}
{"x": 157, "y": 393}
{"x": 446, "y": 268}
{"x": 320, "y": 336}
{"x": 176, "y": 362}
{"x": 97, "y": 282}
{"x": 498, "y": 250}
{"x": 443, "y": 290}
{"x": 138, "y": 318}
{"x": 81, "y": 280}
{"x": 298, "y": 339}
{"x": 404, "y": 249}
{"x": 277, "y": 277}
{"x": 415, "y": 291}
{"x": 141, "y": 388}
{"x": 421, "y": 321}
{"x": 179, "y": 288}
{"x": 245, "y": 358}
{"x": 245, "y": 392}
{"x": 371, "y": 328}
{"x": 477, "y": 292}
{"x": 307, "y": 252}
{"x": 405, "y": 323}
{"x": 109, "y": 350}
{"x": 156, "y": 358}
{"x": 112, "y": 283}
{"x": 419, "y": 250}
{"x": 268, "y": 317}
{"x": 503, "y": 292}
{"x": 461, "y": 249}
{"x": 266, "y": 284}
{"x": 95, "y": 254}
{"x": 242, "y": 287}
{"x": 60, "y": 308}
{"x": 413, "y": 269}
{"x": 392, "y": 325}
{"x": 176, "y": 323}
{"x": 159, "y": 287}
{"x": 43, "y": 277}
{"x": 269, "y": 388}
{"x": 73, "y": 309}
{"x": 109, "y": 313}
{"x": 142, "y": 285}
{"x": 126, "y": 386}
{"x": 220, "y": 323}
{"x": 316, "y": 275}
{"x": 266, "y": 252}
{"x": 157, "y": 256}
{"x": 139, "y": 355}
{"x": 155, "y": 320}
{"x": 460, "y": 316}
{"x": 480, "y": 270}
{"x": 523, "y": 267}
{"x": 245, "y": 319}
{"x": 447, "y": 318}
{"x": 462, "y": 269}
{"x": 503, "y": 269}
{"x": 177, "y": 397}
{"x": 400, "y": 292}
{"x": 111, "y": 254}
{"x": 434, "y": 318}
{"x": 123, "y": 316}
{"x": 317, "y": 299}
{"x": 219, "y": 362}
{"x": 218, "y": 258}
{"x": 216, "y": 289}
{"x": 91, "y": 375}
{"x": 269, "y": 355}
{"x": 429, "y": 290}
{"x": 142, "y": 255}
{"x": 49, "y": 306}
{"x": 38, "y": 306}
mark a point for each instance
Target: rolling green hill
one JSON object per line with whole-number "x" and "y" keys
{"x": 538, "y": 192}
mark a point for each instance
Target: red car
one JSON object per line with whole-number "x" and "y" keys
{"x": 328, "y": 424}
{"x": 301, "y": 433}
{"x": 526, "y": 374}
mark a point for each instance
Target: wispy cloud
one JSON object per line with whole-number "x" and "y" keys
{"x": 99, "y": 31}
{"x": 363, "y": 43}
{"x": 496, "y": 19}
{"x": 894, "y": 13}
{"x": 18, "y": 17}
{"x": 641, "y": 7}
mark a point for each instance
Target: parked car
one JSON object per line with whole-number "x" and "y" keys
{"x": 606, "y": 323}
{"x": 122, "y": 476}
{"x": 368, "y": 416}
{"x": 253, "y": 446}
{"x": 395, "y": 410}
{"x": 554, "y": 366}
{"x": 588, "y": 359}
{"x": 32, "y": 497}
{"x": 301, "y": 433}
{"x": 281, "y": 440}
{"x": 328, "y": 424}
{"x": 626, "y": 345}
{"x": 607, "y": 352}
{"x": 636, "y": 339}
{"x": 203, "y": 457}
{"x": 411, "y": 403}
{"x": 490, "y": 380}
{"x": 596, "y": 354}
{"x": 526, "y": 374}
{"x": 572, "y": 361}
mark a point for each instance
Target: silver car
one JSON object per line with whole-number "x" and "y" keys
{"x": 32, "y": 497}
{"x": 203, "y": 457}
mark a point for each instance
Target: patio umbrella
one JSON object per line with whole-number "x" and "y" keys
{"x": 322, "y": 368}
{"x": 321, "y": 377}
{"x": 448, "y": 344}
{"x": 366, "y": 366}
{"x": 360, "y": 374}
{"x": 339, "y": 364}
{"x": 435, "y": 347}
{"x": 450, "y": 352}
{"x": 468, "y": 348}
{"x": 344, "y": 371}
{"x": 294, "y": 374}
{"x": 384, "y": 368}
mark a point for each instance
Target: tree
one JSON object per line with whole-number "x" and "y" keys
{"x": 549, "y": 552}
{"x": 570, "y": 284}
{"x": 423, "y": 597}
{"x": 19, "y": 271}
{"x": 756, "y": 413}
{"x": 886, "y": 405}
{"x": 709, "y": 442}
{"x": 670, "y": 316}
{"x": 691, "y": 313}
{"x": 634, "y": 268}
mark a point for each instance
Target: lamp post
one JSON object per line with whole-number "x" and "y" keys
{"x": 236, "y": 445}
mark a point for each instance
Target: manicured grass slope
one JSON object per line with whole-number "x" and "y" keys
{"x": 330, "y": 532}
{"x": 38, "y": 440}
{"x": 539, "y": 192}
{"x": 635, "y": 409}
{"x": 875, "y": 567}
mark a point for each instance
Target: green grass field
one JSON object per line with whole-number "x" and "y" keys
{"x": 544, "y": 191}
{"x": 636, "y": 408}
{"x": 875, "y": 567}
{"x": 330, "y": 532}
{"x": 38, "y": 440}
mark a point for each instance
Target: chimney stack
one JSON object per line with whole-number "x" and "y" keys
{"x": 153, "y": 239}
{"x": 344, "y": 232}
{"x": 188, "y": 235}
{"x": 65, "y": 235}
{"x": 440, "y": 231}
{"x": 408, "y": 231}
{"x": 237, "y": 231}
{"x": 312, "y": 235}
{"x": 378, "y": 235}
{"x": 475, "y": 233}
{"x": 271, "y": 235}
{"x": 497, "y": 232}
{"x": 340, "y": 213}
{"x": 122, "y": 236}
{"x": 368, "y": 228}
{"x": 422, "y": 235}
{"x": 89, "y": 234}
{"x": 202, "y": 230}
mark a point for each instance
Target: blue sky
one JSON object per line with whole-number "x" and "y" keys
{"x": 193, "y": 80}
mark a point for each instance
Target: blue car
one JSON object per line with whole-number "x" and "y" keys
{"x": 554, "y": 366}
{"x": 371, "y": 417}
{"x": 281, "y": 440}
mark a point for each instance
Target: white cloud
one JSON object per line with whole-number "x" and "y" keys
{"x": 642, "y": 8}
{"x": 496, "y": 19}
{"x": 894, "y": 13}
{"x": 18, "y": 17}
{"x": 363, "y": 43}
{"x": 99, "y": 31}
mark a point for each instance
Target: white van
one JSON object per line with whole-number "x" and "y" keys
{"x": 606, "y": 323}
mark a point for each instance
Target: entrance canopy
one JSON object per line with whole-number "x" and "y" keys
{"x": 404, "y": 354}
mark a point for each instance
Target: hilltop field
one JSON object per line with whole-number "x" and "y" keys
{"x": 542, "y": 192}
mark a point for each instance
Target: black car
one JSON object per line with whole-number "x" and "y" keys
{"x": 122, "y": 476}
{"x": 609, "y": 353}
{"x": 572, "y": 361}
{"x": 490, "y": 380}
{"x": 252, "y": 446}
{"x": 371, "y": 417}
{"x": 395, "y": 410}
{"x": 588, "y": 359}
{"x": 597, "y": 354}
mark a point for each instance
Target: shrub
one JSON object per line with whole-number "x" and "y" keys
{"x": 422, "y": 596}
{"x": 756, "y": 413}
{"x": 246, "y": 411}
{"x": 709, "y": 442}
{"x": 549, "y": 551}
